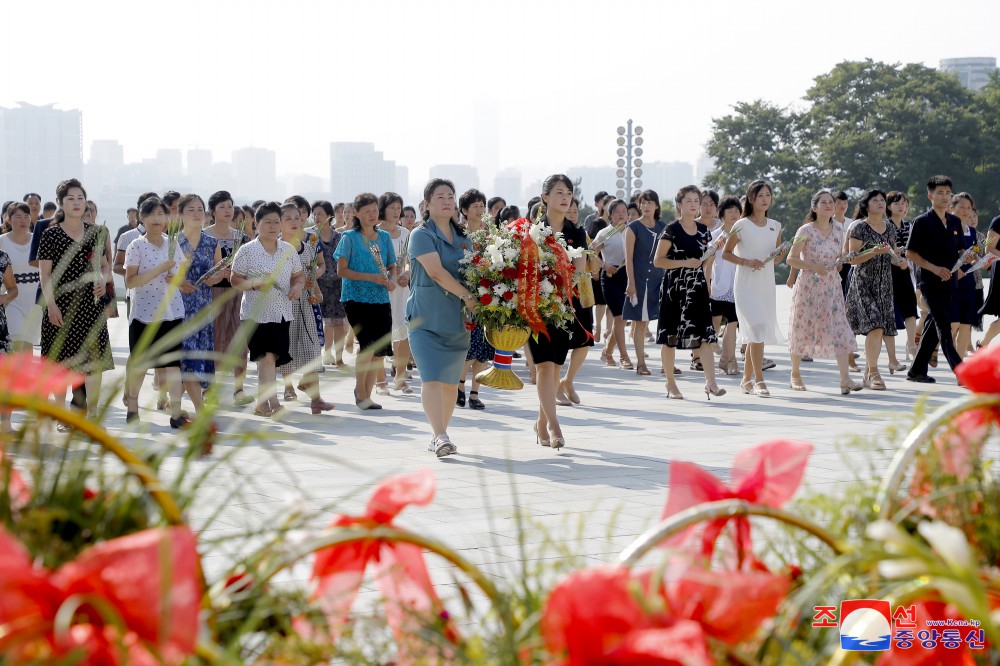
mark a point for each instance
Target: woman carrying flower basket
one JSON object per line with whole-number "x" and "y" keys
{"x": 549, "y": 351}
{"x": 439, "y": 338}
{"x": 472, "y": 206}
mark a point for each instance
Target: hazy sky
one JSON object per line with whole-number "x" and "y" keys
{"x": 413, "y": 76}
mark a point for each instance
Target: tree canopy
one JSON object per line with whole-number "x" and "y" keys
{"x": 865, "y": 124}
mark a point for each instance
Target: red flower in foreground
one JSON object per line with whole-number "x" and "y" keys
{"x": 509, "y": 273}
{"x": 486, "y": 284}
{"x": 767, "y": 474}
{"x": 610, "y": 617}
{"x": 980, "y": 373}
{"x": 508, "y": 295}
{"x": 125, "y": 574}
{"x": 24, "y": 373}
{"x": 399, "y": 568}
{"x": 486, "y": 299}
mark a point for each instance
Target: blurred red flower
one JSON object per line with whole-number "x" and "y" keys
{"x": 23, "y": 373}
{"x": 980, "y": 373}
{"x": 508, "y": 295}
{"x": 509, "y": 273}
{"x": 611, "y": 617}
{"x": 486, "y": 299}
{"x": 127, "y": 576}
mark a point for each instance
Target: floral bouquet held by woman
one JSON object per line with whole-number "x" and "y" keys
{"x": 522, "y": 276}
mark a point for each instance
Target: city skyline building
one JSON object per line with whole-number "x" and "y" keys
{"x": 39, "y": 146}
{"x": 973, "y": 73}
{"x": 355, "y": 166}
{"x": 256, "y": 170}
{"x": 507, "y": 184}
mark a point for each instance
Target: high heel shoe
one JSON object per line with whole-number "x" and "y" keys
{"x": 714, "y": 390}
{"x": 911, "y": 352}
{"x": 626, "y": 364}
{"x": 873, "y": 381}
{"x": 319, "y": 405}
{"x": 845, "y": 389}
{"x": 747, "y": 386}
{"x": 796, "y": 384}
{"x": 896, "y": 367}
{"x": 760, "y": 390}
{"x": 674, "y": 393}
{"x": 642, "y": 370}
{"x": 538, "y": 438}
{"x": 569, "y": 392}
{"x": 557, "y": 443}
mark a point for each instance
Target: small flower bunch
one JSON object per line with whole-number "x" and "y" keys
{"x": 522, "y": 276}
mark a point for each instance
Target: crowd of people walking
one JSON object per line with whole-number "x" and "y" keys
{"x": 296, "y": 286}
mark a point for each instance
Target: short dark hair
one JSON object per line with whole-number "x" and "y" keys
{"x": 429, "y": 189}
{"x": 360, "y": 201}
{"x": 259, "y": 202}
{"x": 752, "y": 191}
{"x": 299, "y": 201}
{"x": 49, "y": 205}
{"x": 170, "y": 196}
{"x": 711, "y": 194}
{"x": 599, "y": 197}
{"x": 508, "y": 214}
{"x": 861, "y": 212}
{"x": 935, "y": 182}
{"x": 468, "y": 198}
{"x": 531, "y": 205}
{"x": 325, "y": 205}
{"x": 494, "y": 201}
{"x": 62, "y": 189}
{"x": 683, "y": 192}
{"x": 17, "y": 206}
{"x": 633, "y": 206}
{"x": 150, "y": 205}
{"x": 841, "y": 195}
{"x": 143, "y": 197}
{"x": 132, "y": 210}
{"x": 338, "y": 206}
{"x": 32, "y": 194}
{"x": 287, "y": 206}
{"x": 386, "y": 200}
{"x": 217, "y": 198}
{"x": 727, "y": 203}
{"x": 265, "y": 209}
{"x": 411, "y": 209}
{"x": 615, "y": 203}
{"x": 963, "y": 195}
{"x": 5, "y": 206}
{"x": 892, "y": 198}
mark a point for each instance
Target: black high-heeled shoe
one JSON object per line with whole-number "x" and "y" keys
{"x": 460, "y": 400}
{"x": 474, "y": 401}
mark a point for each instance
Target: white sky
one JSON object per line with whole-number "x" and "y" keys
{"x": 412, "y": 76}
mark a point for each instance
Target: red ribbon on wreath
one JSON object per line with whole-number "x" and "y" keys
{"x": 528, "y": 280}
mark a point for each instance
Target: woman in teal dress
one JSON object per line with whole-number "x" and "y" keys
{"x": 439, "y": 339}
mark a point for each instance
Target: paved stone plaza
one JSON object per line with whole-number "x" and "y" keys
{"x": 607, "y": 486}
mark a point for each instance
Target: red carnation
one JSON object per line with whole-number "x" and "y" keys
{"x": 470, "y": 325}
{"x": 507, "y": 295}
{"x": 485, "y": 283}
{"x": 486, "y": 299}
{"x": 509, "y": 273}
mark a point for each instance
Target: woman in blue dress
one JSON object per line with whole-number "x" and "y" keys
{"x": 439, "y": 339}
{"x": 642, "y": 295}
{"x": 201, "y": 252}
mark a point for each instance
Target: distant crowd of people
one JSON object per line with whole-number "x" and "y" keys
{"x": 294, "y": 286}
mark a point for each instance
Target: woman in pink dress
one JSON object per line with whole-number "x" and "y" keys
{"x": 817, "y": 323}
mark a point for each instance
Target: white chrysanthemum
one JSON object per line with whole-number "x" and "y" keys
{"x": 949, "y": 543}
{"x": 575, "y": 252}
{"x": 546, "y": 287}
{"x": 499, "y": 289}
{"x": 483, "y": 290}
{"x": 510, "y": 253}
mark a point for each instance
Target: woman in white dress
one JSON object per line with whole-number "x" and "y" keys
{"x": 390, "y": 207}
{"x": 753, "y": 287}
{"x": 24, "y": 317}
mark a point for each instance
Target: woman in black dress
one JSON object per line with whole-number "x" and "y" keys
{"x": 903, "y": 292}
{"x": 685, "y": 311}
{"x": 991, "y": 305}
{"x": 549, "y": 353}
{"x": 74, "y": 330}
{"x": 869, "y": 296}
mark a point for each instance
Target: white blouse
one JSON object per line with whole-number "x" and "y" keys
{"x": 146, "y": 299}
{"x": 253, "y": 261}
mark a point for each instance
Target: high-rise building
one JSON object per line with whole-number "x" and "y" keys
{"x": 168, "y": 161}
{"x": 199, "y": 166}
{"x": 704, "y": 166}
{"x": 39, "y": 146}
{"x": 355, "y": 167}
{"x": 974, "y": 73}
{"x": 106, "y": 153}
{"x": 507, "y": 184}
{"x": 592, "y": 181}
{"x": 464, "y": 176}
{"x": 256, "y": 171}
{"x": 665, "y": 178}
